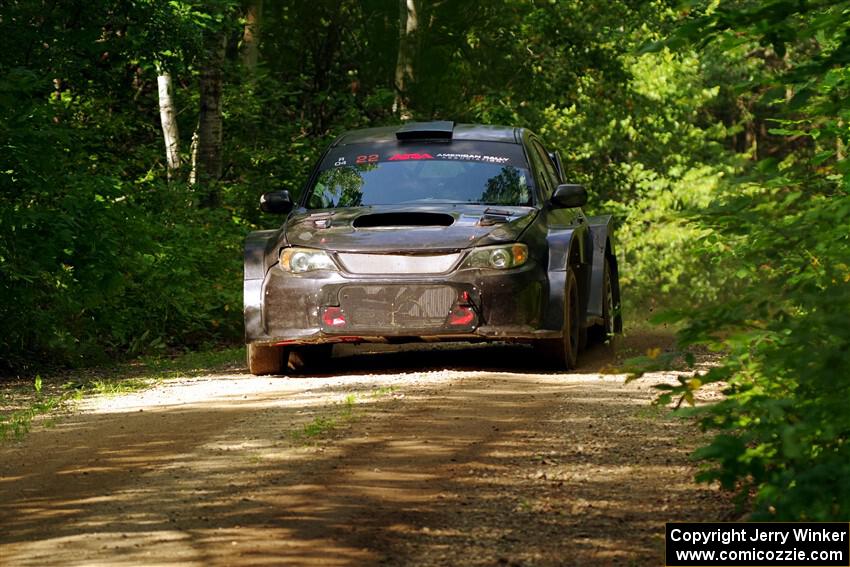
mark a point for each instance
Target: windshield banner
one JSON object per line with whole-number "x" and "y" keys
{"x": 483, "y": 152}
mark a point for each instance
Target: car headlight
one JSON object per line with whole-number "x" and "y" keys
{"x": 497, "y": 257}
{"x": 300, "y": 260}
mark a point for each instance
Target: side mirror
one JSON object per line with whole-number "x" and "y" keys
{"x": 277, "y": 202}
{"x": 569, "y": 196}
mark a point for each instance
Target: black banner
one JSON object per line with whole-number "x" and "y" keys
{"x": 758, "y": 544}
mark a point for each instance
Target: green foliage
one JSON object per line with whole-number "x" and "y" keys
{"x": 15, "y": 423}
{"x": 94, "y": 269}
{"x": 97, "y": 256}
{"x": 779, "y": 234}
{"x": 341, "y": 414}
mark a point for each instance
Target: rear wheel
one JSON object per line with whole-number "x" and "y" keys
{"x": 563, "y": 353}
{"x": 605, "y": 332}
{"x": 263, "y": 359}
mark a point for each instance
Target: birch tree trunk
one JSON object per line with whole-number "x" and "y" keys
{"x": 404, "y": 75}
{"x": 168, "y": 118}
{"x": 193, "y": 157}
{"x": 208, "y": 166}
{"x": 251, "y": 34}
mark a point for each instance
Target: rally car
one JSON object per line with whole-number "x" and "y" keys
{"x": 430, "y": 232}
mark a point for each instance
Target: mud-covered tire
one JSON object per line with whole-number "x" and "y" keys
{"x": 562, "y": 353}
{"x": 604, "y": 333}
{"x": 264, "y": 360}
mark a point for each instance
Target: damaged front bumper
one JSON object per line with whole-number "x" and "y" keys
{"x": 328, "y": 307}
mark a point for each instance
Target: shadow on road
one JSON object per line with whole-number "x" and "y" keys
{"x": 476, "y": 357}
{"x": 491, "y": 468}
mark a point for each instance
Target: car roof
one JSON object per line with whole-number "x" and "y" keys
{"x": 476, "y": 132}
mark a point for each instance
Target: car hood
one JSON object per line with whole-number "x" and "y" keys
{"x": 406, "y": 228}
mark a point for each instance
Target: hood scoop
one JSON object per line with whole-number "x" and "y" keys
{"x": 494, "y": 216}
{"x": 401, "y": 220}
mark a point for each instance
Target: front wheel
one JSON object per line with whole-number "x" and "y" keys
{"x": 563, "y": 352}
{"x": 263, "y": 359}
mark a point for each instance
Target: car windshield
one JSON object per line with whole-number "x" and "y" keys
{"x": 420, "y": 181}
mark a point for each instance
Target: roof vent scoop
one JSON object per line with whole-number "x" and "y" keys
{"x": 440, "y": 130}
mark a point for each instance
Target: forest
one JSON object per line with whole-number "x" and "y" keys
{"x": 136, "y": 137}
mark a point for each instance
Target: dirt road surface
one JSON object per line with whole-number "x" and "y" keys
{"x": 468, "y": 456}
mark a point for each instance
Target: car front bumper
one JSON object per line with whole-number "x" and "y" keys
{"x": 328, "y": 307}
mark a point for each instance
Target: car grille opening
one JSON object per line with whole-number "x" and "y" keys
{"x": 396, "y": 307}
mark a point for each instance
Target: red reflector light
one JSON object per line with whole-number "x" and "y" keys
{"x": 333, "y": 317}
{"x": 461, "y": 316}
{"x": 464, "y": 297}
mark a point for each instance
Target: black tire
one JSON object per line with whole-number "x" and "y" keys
{"x": 562, "y": 353}
{"x": 604, "y": 333}
{"x": 263, "y": 360}
{"x": 304, "y": 358}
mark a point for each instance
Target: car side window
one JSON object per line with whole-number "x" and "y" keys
{"x": 548, "y": 167}
{"x": 540, "y": 175}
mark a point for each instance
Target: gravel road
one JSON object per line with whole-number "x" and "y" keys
{"x": 457, "y": 456}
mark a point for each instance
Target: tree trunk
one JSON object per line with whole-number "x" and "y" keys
{"x": 209, "y": 160}
{"x": 251, "y": 34}
{"x": 325, "y": 56}
{"x": 404, "y": 76}
{"x": 168, "y": 117}
{"x": 193, "y": 157}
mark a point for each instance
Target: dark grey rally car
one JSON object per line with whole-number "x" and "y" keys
{"x": 430, "y": 232}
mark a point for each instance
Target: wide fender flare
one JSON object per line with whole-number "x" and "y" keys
{"x": 601, "y": 231}
{"x": 567, "y": 246}
{"x": 259, "y": 258}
